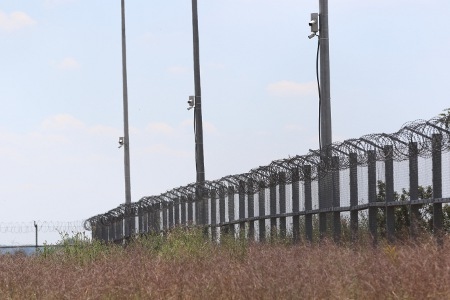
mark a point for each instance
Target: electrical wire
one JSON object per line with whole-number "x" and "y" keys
{"x": 320, "y": 96}
{"x": 195, "y": 138}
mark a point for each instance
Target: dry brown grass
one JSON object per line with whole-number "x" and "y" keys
{"x": 181, "y": 269}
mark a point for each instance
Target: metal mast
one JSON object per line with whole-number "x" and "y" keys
{"x": 325, "y": 111}
{"x": 126, "y": 139}
{"x": 198, "y": 124}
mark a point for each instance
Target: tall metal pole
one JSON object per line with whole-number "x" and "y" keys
{"x": 201, "y": 205}
{"x": 126, "y": 139}
{"x": 36, "y": 232}
{"x": 326, "y": 190}
{"x": 325, "y": 111}
{"x": 199, "y": 159}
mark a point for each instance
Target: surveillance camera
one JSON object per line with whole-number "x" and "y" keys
{"x": 191, "y": 102}
{"x": 311, "y": 23}
{"x": 312, "y": 35}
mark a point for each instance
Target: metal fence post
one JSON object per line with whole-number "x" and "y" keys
{"x": 323, "y": 195}
{"x": 190, "y": 210}
{"x": 262, "y": 211}
{"x": 273, "y": 205}
{"x": 353, "y": 196}
{"x": 251, "y": 209}
{"x": 242, "y": 208}
{"x": 222, "y": 210}
{"x": 389, "y": 176}
{"x": 213, "y": 206}
{"x": 158, "y": 210}
{"x": 308, "y": 203}
{"x": 183, "y": 211}
{"x": 145, "y": 219}
{"x": 295, "y": 204}
{"x": 150, "y": 218}
{"x": 282, "y": 202}
{"x": 336, "y": 199}
{"x": 437, "y": 187}
{"x": 231, "y": 209}
{"x": 176, "y": 203}
{"x": 414, "y": 188}
{"x": 165, "y": 225}
{"x": 205, "y": 208}
{"x": 372, "y": 191}
{"x": 170, "y": 210}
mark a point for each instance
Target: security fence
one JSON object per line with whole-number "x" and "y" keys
{"x": 346, "y": 184}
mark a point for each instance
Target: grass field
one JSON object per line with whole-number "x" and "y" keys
{"x": 182, "y": 265}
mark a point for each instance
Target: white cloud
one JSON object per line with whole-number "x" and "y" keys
{"x": 160, "y": 128}
{"x": 288, "y": 89}
{"x": 62, "y": 122}
{"x": 68, "y": 63}
{"x": 15, "y": 21}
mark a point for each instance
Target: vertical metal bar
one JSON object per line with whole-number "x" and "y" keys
{"x": 324, "y": 188}
{"x": 140, "y": 220}
{"x": 205, "y": 208}
{"x": 190, "y": 210}
{"x": 308, "y": 203}
{"x": 170, "y": 205}
{"x": 199, "y": 159}
{"x": 144, "y": 219}
{"x": 165, "y": 223}
{"x": 437, "y": 187}
{"x": 273, "y": 205}
{"x": 222, "y": 210}
{"x": 325, "y": 181}
{"x": 151, "y": 219}
{"x": 295, "y": 204}
{"x": 336, "y": 199}
{"x": 130, "y": 221}
{"x": 176, "y": 203}
{"x": 126, "y": 139}
{"x": 183, "y": 210}
{"x": 372, "y": 193}
{"x": 282, "y": 202}
{"x": 389, "y": 176}
{"x": 251, "y": 209}
{"x": 110, "y": 233}
{"x": 353, "y": 196}
{"x": 213, "y": 207}
{"x": 262, "y": 211}
{"x": 36, "y": 233}
{"x": 414, "y": 188}
{"x": 158, "y": 211}
{"x": 241, "y": 207}
{"x": 325, "y": 105}
{"x": 231, "y": 209}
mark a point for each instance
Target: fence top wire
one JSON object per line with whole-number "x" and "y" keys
{"x": 413, "y": 138}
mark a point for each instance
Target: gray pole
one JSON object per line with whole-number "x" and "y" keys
{"x": 36, "y": 232}
{"x": 325, "y": 112}
{"x": 326, "y": 184}
{"x": 199, "y": 160}
{"x": 126, "y": 140}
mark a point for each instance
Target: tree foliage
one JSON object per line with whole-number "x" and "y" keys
{"x": 403, "y": 213}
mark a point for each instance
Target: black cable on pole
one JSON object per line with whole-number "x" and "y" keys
{"x": 320, "y": 97}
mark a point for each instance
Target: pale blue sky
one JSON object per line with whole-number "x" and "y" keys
{"x": 61, "y": 91}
